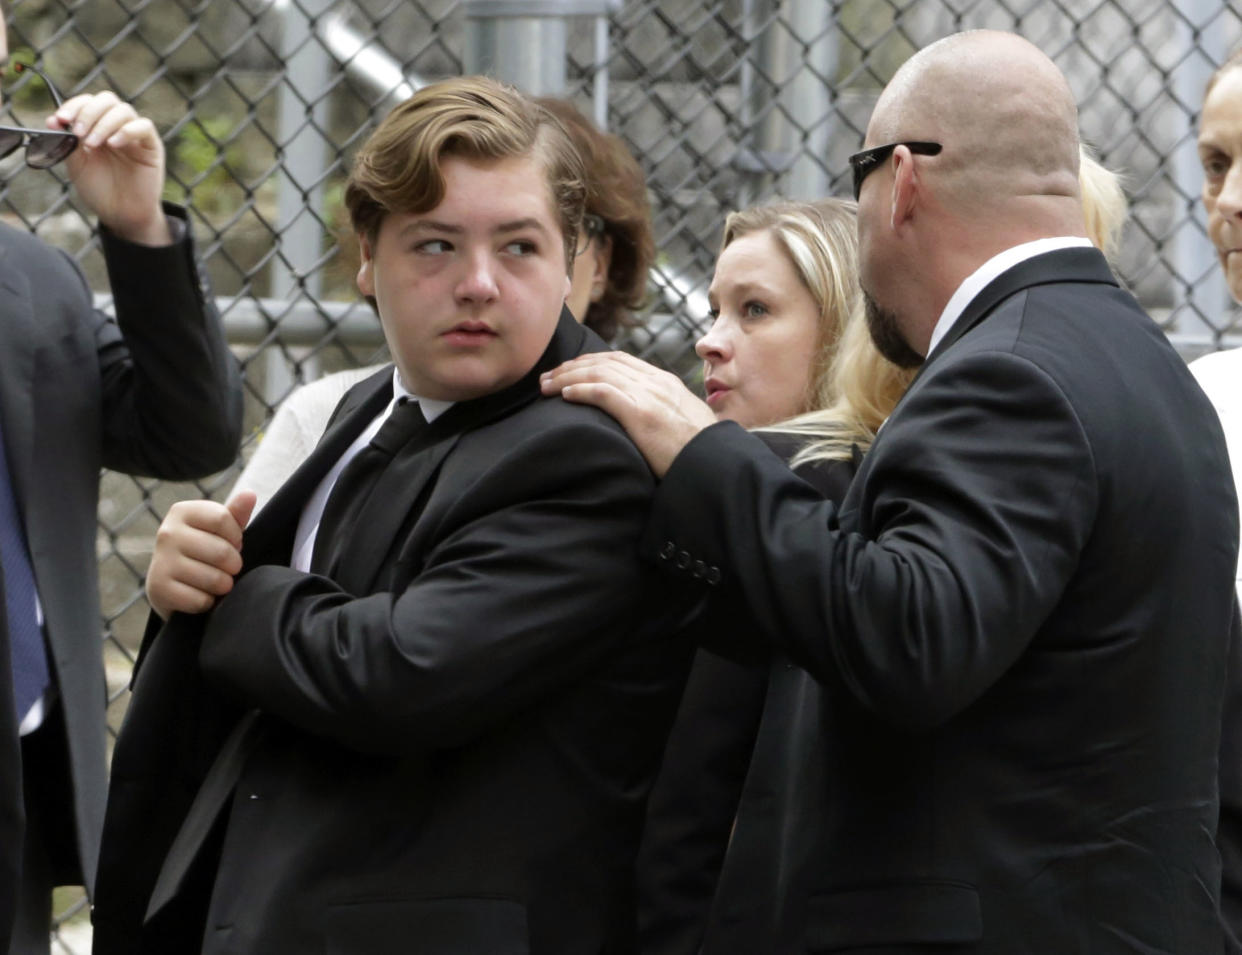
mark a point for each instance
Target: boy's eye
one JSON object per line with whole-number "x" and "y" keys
{"x": 433, "y": 247}
{"x": 520, "y": 247}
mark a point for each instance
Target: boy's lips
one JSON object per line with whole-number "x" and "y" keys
{"x": 469, "y": 333}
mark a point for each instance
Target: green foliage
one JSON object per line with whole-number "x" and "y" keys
{"x": 878, "y": 46}
{"x": 334, "y": 205}
{"x": 201, "y": 160}
{"x": 32, "y": 97}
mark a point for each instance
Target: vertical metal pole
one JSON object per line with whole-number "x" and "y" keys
{"x": 599, "y": 80}
{"x": 526, "y": 51}
{"x": 1203, "y": 298}
{"x": 302, "y": 113}
{"x": 746, "y": 99}
{"x": 802, "y": 50}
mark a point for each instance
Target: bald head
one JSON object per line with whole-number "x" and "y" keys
{"x": 1002, "y": 110}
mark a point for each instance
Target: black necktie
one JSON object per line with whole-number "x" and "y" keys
{"x": 26, "y": 648}
{"x": 355, "y": 483}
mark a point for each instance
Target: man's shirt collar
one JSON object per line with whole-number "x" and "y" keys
{"x": 978, "y": 280}
{"x": 432, "y": 408}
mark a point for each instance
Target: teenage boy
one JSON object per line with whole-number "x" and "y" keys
{"x": 419, "y": 710}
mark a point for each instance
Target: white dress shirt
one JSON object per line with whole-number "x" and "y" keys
{"x": 979, "y": 279}
{"x": 1220, "y": 376}
{"x": 312, "y": 513}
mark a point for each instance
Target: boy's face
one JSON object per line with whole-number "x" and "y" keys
{"x": 470, "y": 292}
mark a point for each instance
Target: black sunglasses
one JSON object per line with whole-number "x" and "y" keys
{"x": 867, "y": 161}
{"x": 44, "y": 147}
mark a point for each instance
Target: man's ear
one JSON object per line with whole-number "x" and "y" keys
{"x": 905, "y": 189}
{"x": 366, "y": 267}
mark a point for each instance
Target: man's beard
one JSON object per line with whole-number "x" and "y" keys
{"x": 886, "y": 336}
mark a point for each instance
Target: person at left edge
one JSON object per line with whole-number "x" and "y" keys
{"x": 425, "y": 715}
{"x": 156, "y": 393}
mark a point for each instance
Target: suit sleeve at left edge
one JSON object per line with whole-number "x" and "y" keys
{"x": 171, "y": 387}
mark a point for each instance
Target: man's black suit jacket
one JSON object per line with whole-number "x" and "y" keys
{"x": 747, "y": 735}
{"x": 155, "y": 392}
{"x": 458, "y": 724}
{"x": 1020, "y": 613}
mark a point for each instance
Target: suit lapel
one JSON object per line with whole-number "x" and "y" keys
{"x": 1064, "y": 265}
{"x": 269, "y": 538}
{"x": 17, "y": 383}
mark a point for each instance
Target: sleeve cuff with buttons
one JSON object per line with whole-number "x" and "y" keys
{"x": 686, "y": 532}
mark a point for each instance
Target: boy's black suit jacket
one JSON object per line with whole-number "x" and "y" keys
{"x": 1019, "y": 615}
{"x": 445, "y": 746}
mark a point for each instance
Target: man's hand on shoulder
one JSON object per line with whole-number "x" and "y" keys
{"x": 118, "y": 167}
{"x": 658, "y": 412}
{"x": 197, "y": 554}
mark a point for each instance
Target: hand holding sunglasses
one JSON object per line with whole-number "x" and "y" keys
{"x": 115, "y": 159}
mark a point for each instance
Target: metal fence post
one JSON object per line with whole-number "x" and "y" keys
{"x": 795, "y": 48}
{"x": 807, "y": 48}
{"x": 301, "y": 133}
{"x": 523, "y": 42}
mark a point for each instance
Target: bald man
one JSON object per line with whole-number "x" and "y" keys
{"x": 1017, "y": 617}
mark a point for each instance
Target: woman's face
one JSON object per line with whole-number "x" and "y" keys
{"x": 1220, "y": 151}
{"x": 759, "y": 353}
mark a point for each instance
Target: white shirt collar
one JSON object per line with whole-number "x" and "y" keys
{"x": 432, "y": 407}
{"x": 978, "y": 280}
{"x": 312, "y": 512}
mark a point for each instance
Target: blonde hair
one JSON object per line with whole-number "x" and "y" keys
{"x": 853, "y": 387}
{"x": 862, "y": 386}
{"x": 474, "y": 117}
{"x": 820, "y": 239}
{"x": 1104, "y": 205}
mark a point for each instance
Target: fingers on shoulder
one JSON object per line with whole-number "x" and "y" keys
{"x": 606, "y": 395}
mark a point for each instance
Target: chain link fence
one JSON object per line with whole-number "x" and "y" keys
{"x": 724, "y": 102}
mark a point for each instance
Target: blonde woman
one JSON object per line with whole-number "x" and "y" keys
{"x": 786, "y": 337}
